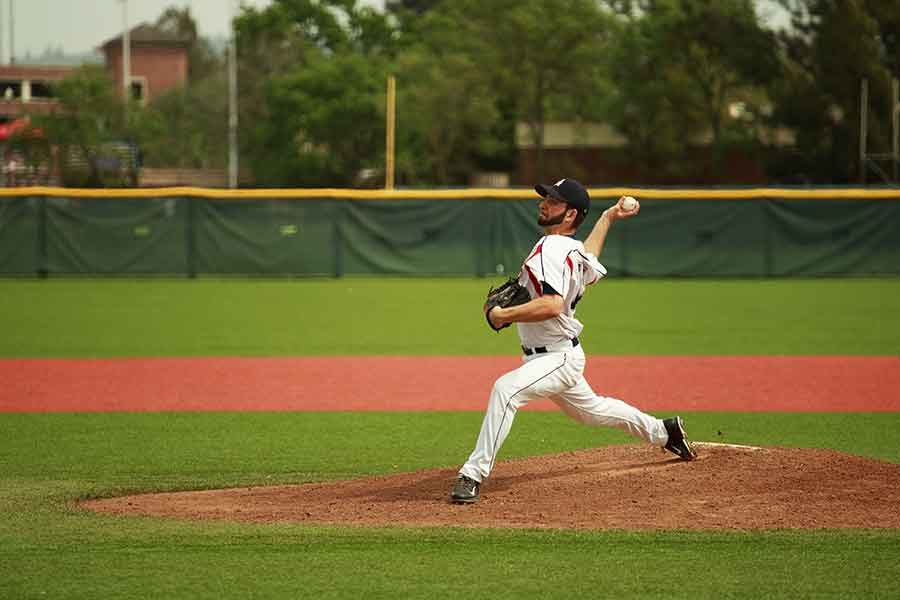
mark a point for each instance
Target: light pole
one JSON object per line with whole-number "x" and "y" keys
{"x": 126, "y": 53}
{"x": 2, "y": 49}
{"x": 232, "y": 103}
{"x": 12, "y": 33}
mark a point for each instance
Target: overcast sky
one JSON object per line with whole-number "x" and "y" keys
{"x": 83, "y": 25}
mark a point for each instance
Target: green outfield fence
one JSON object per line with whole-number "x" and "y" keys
{"x": 333, "y": 232}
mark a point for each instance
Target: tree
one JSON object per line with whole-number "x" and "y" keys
{"x": 327, "y": 122}
{"x": 721, "y": 70}
{"x": 830, "y": 47}
{"x": 312, "y": 81}
{"x": 266, "y": 48}
{"x": 186, "y": 127}
{"x": 203, "y": 60}
{"x": 416, "y": 7}
{"x": 408, "y": 12}
{"x": 90, "y": 119}
{"x": 446, "y": 112}
{"x": 678, "y": 65}
{"x": 512, "y": 61}
{"x": 447, "y": 104}
{"x": 540, "y": 55}
{"x": 645, "y": 106}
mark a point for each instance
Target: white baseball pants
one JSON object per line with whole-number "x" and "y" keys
{"x": 558, "y": 376}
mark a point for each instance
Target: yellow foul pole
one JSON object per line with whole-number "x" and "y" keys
{"x": 389, "y": 133}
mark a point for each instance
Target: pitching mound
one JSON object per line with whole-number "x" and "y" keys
{"x": 620, "y": 487}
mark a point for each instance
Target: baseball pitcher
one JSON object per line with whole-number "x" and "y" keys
{"x": 541, "y": 302}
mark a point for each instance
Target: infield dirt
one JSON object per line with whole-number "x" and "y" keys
{"x": 618, "y": 487}
{"x": 414, "y": 383}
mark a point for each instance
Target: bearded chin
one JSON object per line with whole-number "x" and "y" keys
{"x": 552, "y": 220}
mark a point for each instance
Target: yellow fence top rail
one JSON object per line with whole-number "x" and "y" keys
{"x": 458, "y": 194}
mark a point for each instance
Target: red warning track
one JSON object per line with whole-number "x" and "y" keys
{"x": 397, "y": 383}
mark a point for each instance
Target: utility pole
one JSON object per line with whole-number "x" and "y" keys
{"x": 233, "y": 102}
{"x": 863, "y": 127}
{"x": 126, "y": 53}
{"x": 870, "y": 160}
{"x": 895, "y": 129}
{"x": 12, "y": 33}
{"x": 2, "y": 49}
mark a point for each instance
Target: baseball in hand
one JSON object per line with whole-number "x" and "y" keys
{"x": 628, "y": 203}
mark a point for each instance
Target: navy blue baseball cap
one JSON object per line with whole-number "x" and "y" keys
{"x": 568, "y": 191}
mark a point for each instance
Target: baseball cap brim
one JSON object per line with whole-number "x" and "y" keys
{"x": 549, "y": 190}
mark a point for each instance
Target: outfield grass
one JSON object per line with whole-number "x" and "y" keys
{"x": 78, "y": 318}
{"x": 51, "y": 549}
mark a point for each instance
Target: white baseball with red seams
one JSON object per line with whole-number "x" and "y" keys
{"x": 629, "y": 203}
{"x": 559, "y": 262}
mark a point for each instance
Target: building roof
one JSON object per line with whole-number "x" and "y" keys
{"x": 35, "y": 72}
{"x": 146, "y": 34}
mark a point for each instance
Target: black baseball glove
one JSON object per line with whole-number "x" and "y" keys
{"x": 508, "y": 294}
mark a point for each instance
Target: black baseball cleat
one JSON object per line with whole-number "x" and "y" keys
{"x": 465, "y": 491}
{"x": 678, "y": 443}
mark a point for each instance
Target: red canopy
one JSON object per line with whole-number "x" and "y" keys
{"x": 7, "y": 130}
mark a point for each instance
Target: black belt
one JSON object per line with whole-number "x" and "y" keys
{"x": 543, "y": 349}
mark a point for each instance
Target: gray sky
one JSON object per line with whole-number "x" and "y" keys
{"x": 82, "y": 25}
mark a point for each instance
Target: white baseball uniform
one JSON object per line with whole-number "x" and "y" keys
{"x": 553, "y": 365}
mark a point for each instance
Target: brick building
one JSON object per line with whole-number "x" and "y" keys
{"x": 159, "y": 61}
{"x": 27, "y": 86}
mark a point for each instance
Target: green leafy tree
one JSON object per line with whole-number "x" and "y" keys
{"x": 203, "y": 60}
{"x": 447, "y": 105}
{"x": 407, "y": 13}
{"x": 446, "y": 112}
{"x": 831, "y": 46}
{"x": 267, "y": 48}
{"x": 186, "y": 127}
{"x": 328, "y": 123}
{"x": 88, "y": 130}
{"x": 509, "y": 61}
{"x": 312, "y": 79}
{"x": 417, "y": 7}
{"x": 678, "y": 66}
{"x": 645, "y": 107}
{"x": 541, "y": 55}
{"x": 726, "y": 57}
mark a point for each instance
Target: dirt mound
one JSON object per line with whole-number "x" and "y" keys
{"x": 619, "y": 487}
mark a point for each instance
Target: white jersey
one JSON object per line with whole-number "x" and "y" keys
{"x": 560, "y": 262}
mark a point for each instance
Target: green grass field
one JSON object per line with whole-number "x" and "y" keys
{"x": 51, "y": 549}
{"x": 79, "y": 318}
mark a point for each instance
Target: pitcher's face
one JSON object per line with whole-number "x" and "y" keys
{"x": 551, "y": 211}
